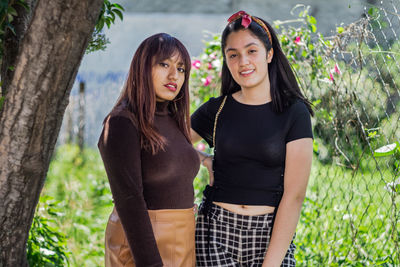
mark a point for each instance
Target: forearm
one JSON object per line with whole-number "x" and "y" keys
{"x": 284, "y": 228}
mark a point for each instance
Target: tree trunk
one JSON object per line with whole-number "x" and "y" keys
{"x": 45, "y": 69}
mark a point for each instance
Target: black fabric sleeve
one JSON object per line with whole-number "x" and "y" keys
{"x": 202, "y": 120}
{"x": 119, "y": 147}
{"x": 300, "y": 123}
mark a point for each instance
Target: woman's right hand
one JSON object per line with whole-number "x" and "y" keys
{"x": 208, "y": 164}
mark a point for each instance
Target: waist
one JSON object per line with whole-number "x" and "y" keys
{"x": 248, "y": 210}
{"x": 240, "y": 221}
{"x": 270, "y": 196}
{"x": 163, "y": 215}
{"x": 171, "y": 214}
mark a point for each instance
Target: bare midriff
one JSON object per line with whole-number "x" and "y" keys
{"x": 249, "y": 210}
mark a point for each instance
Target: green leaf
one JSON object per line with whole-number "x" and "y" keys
{"x": 371, "y": 11}
{"x": 118, "y": 6}
{"x": 10, "y": 18}
{"x": 315, "y": 146}
{"x": 108, "y": 23}
{"x": 386, "y": 150}
{"x": 23, "y": 4}
{"x": 12, "y": 11}
{"x": 339, "y": 30}
{"x": 119, "y": 14}
{"x": 312, "y": 20}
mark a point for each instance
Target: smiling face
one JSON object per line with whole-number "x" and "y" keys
{"x": 168, "y": 77}
{"x": 247, "y": 60}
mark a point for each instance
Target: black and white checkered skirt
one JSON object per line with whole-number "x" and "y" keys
{"x": 229, "y": 239}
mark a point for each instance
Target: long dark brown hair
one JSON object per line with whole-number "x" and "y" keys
{"x": 284, "y": 87}
{"x": 138, "y": 95}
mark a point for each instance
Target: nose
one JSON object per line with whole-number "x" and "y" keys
{"x": 173, "y": 74}
{"x": 243, "y": 60}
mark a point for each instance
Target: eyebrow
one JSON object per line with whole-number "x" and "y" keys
{"x": 233, "y": 49}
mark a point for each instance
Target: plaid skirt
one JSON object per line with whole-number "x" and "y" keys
{"x": 224, "y": 238}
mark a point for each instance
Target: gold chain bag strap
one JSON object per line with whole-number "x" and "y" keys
{"x": 216, "y": 119}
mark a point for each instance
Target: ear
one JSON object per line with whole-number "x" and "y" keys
{"x": 270, "y": 55}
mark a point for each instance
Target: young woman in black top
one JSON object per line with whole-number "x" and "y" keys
{"x": 261, "y": 132}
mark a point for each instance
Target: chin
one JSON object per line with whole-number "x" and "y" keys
{"x": 167, "y": 97}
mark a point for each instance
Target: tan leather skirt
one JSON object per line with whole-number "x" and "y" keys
{"x": 174, "y": 230}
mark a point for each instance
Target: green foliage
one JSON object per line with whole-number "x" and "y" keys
{"x": 205, "y": 76}
{"x": 107, "y": 16}
{"x": 7, "y": 15}
{"x": 77, "y": 181}
{"x": 47, "y": 244}
{"x": 343, "y": 224}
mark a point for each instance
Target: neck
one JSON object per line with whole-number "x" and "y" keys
{"x": 254, "y": 96}
{"x": 162, "y": 108}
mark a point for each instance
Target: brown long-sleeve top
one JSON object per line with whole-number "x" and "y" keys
{"x": 141, "y": 181}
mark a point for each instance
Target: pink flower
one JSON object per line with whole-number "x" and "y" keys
{"x": 213, "y": 56}
{"x": 337, "y": 70}
{"x": 297, "y": 40}
{"x": 331, "y": 77}
{"x": 207, "y": 81}
{"x": 210, "y": 66}
{"x": 196, "y": 64}
{"x": 201, "y": 147}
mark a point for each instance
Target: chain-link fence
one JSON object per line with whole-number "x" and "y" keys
{"x": 351, "y": 213}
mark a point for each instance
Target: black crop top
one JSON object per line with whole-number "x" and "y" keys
{"x": 250, "y": 150}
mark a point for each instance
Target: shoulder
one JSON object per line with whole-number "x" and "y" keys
{"x": 297, "y": 107}
{"x": 121, "y": 119}
{"x": 210, "y": 107}
{"x": 215, "y": 102}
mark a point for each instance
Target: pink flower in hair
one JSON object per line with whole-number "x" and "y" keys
{"x": 297, "y": 40}
{"x": 196, "y": 64}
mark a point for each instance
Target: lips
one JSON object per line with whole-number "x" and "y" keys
{"x": 246, "y": 73}
{"x": 171, "y": 86}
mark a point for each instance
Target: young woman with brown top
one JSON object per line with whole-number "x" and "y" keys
{"x": 260, "y": 129}
{"x": 150, "y": 162}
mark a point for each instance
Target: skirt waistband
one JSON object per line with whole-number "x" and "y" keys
{"x": 239, "y": 221}
{"x": 163, "y": 215}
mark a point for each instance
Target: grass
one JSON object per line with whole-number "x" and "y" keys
{"x": 348, "y": 218}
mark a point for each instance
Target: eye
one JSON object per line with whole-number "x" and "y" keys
{"x": 232, "y": 55}
{"x": 252, "y": 51}
{"x": 181, "y": 70}
{"x": 162, "y": 64}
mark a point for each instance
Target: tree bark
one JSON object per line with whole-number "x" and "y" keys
{"x": 45, "y": 69}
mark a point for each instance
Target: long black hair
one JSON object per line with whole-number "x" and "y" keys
{"x": 284, "y": 87}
